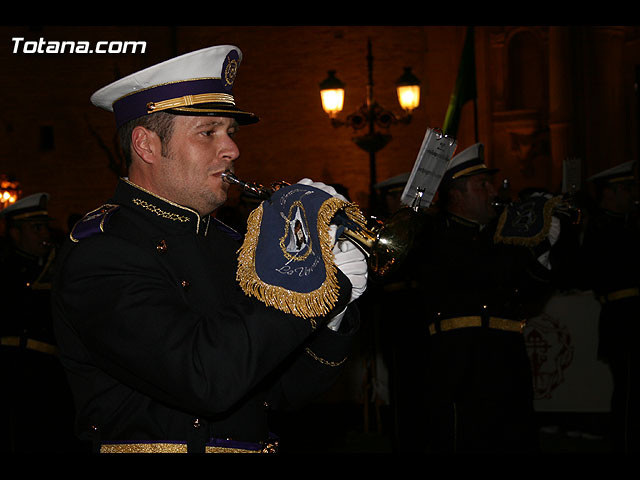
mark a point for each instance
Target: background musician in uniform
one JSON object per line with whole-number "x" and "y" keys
{"x": 399, "y": 307}
{"x": 611, "y": 260}
{"x": 163, "y": 349}
{"x": 37, "y": 408}
{"x": 477, "y": 292}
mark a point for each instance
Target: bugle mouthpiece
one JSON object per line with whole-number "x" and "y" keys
{"x": 229, "y": 177}
{"x": 252, "y": 188}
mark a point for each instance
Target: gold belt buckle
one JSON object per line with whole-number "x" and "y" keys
{"x": 523, "y": 324}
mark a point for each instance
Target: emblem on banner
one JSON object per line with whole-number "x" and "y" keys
{"x": 296, "y": 242}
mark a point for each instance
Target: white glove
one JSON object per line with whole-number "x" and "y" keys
{"x": 322, "y": 186}
{"x": 554, "y": 230}
{"x": 352, "y": 262}
{"x": 552, "y": 236}
{"x": 348, "y": 258}
{"x": 541, "y": 193}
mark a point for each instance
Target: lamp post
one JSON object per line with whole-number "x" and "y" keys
{"x": 371, "y": 114}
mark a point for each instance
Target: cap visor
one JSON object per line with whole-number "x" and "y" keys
{"x": 219, "y": 110}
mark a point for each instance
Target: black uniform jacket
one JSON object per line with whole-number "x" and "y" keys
{"x": 159, "y": 342}
{"x": 476, "y": 294}
{"x": 26, "y": 285}
{"x": 611, "y": 261}
{"x": 466, "y": 273}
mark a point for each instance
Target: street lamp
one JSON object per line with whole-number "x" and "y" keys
{"x": 9, "y": 191}
{"x": 371, "y": 114}
{"x": 408, "y": 89}
{"x": 332, "y": 95}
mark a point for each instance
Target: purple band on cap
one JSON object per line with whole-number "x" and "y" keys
{"x": 135, "y": 105}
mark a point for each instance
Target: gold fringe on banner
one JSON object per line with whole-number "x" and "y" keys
{"x": 316, "y": 303}
{"x": 532, "y": 241}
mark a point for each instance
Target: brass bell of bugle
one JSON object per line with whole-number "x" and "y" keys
{"x": 386, "y": 244}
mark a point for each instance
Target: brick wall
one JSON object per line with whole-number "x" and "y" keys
{"x": 52, "y": 139}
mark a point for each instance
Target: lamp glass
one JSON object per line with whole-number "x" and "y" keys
{"x": 409, "y": 97}
{"x": 332, "y": 100}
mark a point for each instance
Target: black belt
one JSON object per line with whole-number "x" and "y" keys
{"x": 496, "y": 323}
{"x": 29, "y": 343}
{"x": 213, "y": 446}
{"x": 619, "y": 294}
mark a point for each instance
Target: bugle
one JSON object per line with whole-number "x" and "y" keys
{"x": 566, "y": 206}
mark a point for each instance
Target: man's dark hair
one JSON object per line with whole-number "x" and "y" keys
{"x": 161, "y": 123}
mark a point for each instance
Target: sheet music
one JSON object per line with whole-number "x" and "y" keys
{"x": 434, "y": 156}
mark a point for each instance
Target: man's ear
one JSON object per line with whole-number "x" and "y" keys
{"x": 146, "y": 144}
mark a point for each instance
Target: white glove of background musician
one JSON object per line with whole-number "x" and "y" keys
{"x": 554, "y": 233}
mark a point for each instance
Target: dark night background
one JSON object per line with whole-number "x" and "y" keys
{"x": 545, "y": 94}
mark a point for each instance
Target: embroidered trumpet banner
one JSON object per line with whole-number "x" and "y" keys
{"x": 286, "y": 259}
{"x": 526, "y": 223}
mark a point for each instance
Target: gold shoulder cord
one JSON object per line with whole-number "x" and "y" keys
{"x": 324, "y": 361}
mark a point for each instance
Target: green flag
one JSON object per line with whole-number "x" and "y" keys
{"x": 465, "y": 88}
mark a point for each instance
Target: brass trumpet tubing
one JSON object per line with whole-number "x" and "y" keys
{"x": 567, "y": 207}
